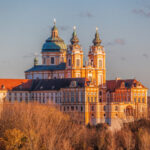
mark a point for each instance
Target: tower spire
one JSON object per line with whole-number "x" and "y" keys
{"x": 74, "y": 40}
{"x": 97, "y": 40}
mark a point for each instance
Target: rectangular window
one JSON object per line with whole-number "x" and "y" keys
{"x": 72, "y": 97}
{"x": 143, "y": 100}
{"x": 92, "y": 108}
{"x": 82, "y": 97}
{"x": 92, "y": 99}
{"x": 64, "y": 97}
{"x": 52, "y": 60}
{"x": 139, "y": 100}
{"x": 78, "y": 62}
{"x": 44, "y": 60}
{"x": 76, "y": 96}
{"x": 72, "y": 108}
{"x": 68, "y": 97}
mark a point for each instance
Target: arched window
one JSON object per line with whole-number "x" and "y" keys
{"x": 129, "y": 111}
{"x": 100, "y": 63}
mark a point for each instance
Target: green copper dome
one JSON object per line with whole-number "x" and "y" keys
{"x": 54, "y": 43}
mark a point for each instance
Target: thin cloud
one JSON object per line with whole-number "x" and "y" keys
{"x": 145, "y": 56}
{"x": 141, "y": 12}
{"x": 123, "y": 58}
{"x": 86, "y": 14}
{"x": 63, "y": 28}
{"x": 32, "y": 54}
{"x": 118, "y": 41}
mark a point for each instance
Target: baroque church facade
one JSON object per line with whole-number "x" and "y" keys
{"x": 61, "y": 61}
{"x": 64, "y": 80}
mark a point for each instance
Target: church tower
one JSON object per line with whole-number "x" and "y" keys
{"x": 74, "y": 57}
{"x": 97, "y": 60}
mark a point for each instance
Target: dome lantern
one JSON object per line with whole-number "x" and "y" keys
{"x": 54, "y": 30}
{"x": 74, "y": 40}
{"x": 54, "y": 43}
{"x": 97, "y": 40}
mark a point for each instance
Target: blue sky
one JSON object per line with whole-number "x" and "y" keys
{"x": 124, "y": 28}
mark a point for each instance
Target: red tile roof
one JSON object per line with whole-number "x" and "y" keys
{"x": 112, "y": 85}
{"x": 9, "y": 84}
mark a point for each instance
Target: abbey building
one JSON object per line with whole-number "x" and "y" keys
{"x": 65, "y": 80}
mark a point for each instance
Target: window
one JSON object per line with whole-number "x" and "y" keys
{"x": 95, "y": 99}
{"x": 9, "y": 99}
{"x": 64, "y": 108}
{"x": 64, "y": 97}
{"x": 100, "y": 100}
{"x": 69, "y": 62}
{"x": 81, "y": 108}
{"x": 104, "y": 107}
{"x": 92, "y": 99}
{"x": 100, "y": 63}
{"x": 92, "y": 108}
{"x": 100, "y": 93}
{"x": 68, "y": 97}
{"x": 76, "y": 96}
{"x": 72, "y": 97}
{"x": 135, "y": 100}
{"x": 44, "y": 60}
{"x": 52, "y": 60}
{"x": 82, "y": 96}
{"x": 78, "y": 62}
{"x": 143, "y": 100}
{"x": 139, "y": 100}
{"x": 72, "y": 108}
{"x": 68, "y": 108}
{"x": 76, "y": 107}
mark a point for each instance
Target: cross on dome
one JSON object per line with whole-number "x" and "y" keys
{"x": 74, "y": 28}
{"x": 96, "y": 28}
{"x": 54, "y": 21}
